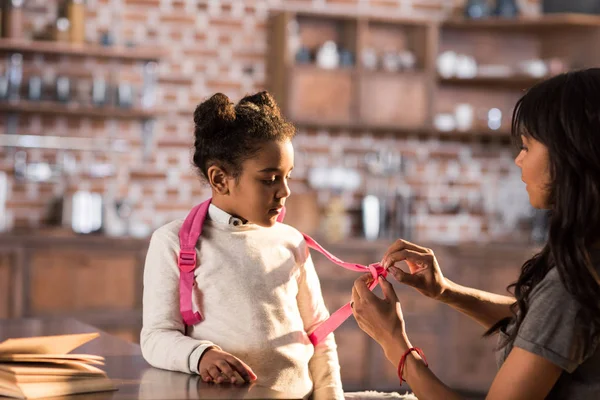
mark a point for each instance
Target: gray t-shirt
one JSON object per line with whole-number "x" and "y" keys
{"x": 553, "y": 328}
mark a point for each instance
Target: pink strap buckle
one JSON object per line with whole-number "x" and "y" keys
{"x": 187, "y": 260}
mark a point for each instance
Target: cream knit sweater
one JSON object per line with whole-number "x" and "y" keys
{"x": 259, "y": 294}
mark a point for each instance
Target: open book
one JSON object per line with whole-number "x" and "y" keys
{"x": 37, "y": 367}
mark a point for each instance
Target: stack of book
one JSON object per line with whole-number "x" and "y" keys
{"x": 37, "y": 367}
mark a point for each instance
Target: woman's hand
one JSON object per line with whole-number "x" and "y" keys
{"x": 221, "y": 367}
{"x": 425, "y": 273}
{"x": 380, "y": 318}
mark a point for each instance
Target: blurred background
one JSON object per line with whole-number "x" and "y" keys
{"x": 403, "y": 112}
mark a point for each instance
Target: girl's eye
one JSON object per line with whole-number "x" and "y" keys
{"x": 523, "y": 147}
{"x": 274, "y": 179}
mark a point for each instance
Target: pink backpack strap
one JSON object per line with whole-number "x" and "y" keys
{"x": 338, "y": 317}
{"x": 186, "y": 261}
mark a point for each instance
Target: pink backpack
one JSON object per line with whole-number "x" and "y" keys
{"x": 188, "y": 237}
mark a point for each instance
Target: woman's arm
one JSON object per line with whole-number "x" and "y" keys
{"x": 426, "y": 277}
{"x": 484, "y": 307}
{"x": 524, "y": 375}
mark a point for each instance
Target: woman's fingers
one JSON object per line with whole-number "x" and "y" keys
{"x": 362, "y": 281}
{"x": 404, "y": 277}
{"x": 403, "y": 244}
{"x": 413, "y": 258}
{"x": 361, "y": 287}
{"x": 388, "y": 290}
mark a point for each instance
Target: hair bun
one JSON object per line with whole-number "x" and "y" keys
{"x": 263, "y": 100}
{"x": 215, "y": 112}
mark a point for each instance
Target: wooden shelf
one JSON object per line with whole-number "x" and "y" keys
{"x": 316, "y": 124}
{"x": 310, "y": 67}
{"x": 84, "y": 50}
{"x": 356, "y": 100}
{"x": 547, "y": 21}
{"x": 502, "y": 134}
{"x": 75, "y": 110}
{"x": 475, "y": 133}
{"x": 344, "y": 14}
{"x": 517, "y": 81}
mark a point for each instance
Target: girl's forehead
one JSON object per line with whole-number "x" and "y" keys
{"x": 274, "y": 155}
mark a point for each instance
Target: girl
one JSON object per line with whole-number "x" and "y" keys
{"x": 549, "y": 333}
{"x": 255, "y": 284}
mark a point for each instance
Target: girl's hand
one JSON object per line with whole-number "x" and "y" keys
{"x": 380, "y": 318}
{"x": 221, "y": 367}
{"x": 425, "y": 273}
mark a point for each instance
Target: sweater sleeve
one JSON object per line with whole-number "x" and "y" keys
{"x": 324, "y": 365}
{"x": 163, "y": 340}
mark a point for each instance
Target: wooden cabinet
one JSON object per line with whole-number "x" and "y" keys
{"x": 309, "y": 101}
{"x": 363, "y": 96}
{"x": 71, "y": 280}
{"x": 97, "y": 280}
{"x": 6, "y": 279}
{"x": 399, "y": 100}
{"x": 351, "y": 95}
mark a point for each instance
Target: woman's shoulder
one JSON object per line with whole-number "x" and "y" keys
{"x": 553, "y": 279}
{"x": 550, "y": 285}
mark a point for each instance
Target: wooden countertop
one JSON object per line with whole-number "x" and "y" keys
{"x": 135, "y": 379}
{"x": 61, "y": 237}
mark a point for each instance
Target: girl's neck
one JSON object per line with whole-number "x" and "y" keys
{"x": 221, "y": 203}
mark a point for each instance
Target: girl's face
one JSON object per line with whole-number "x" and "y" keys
{"x": 259, "y": 193}
{"x": 535, "y": 171}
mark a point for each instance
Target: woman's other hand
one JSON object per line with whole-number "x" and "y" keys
{"x": 380, "y": 318}
{"x": 425, "y": 274}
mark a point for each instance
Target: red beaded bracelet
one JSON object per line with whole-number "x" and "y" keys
{"x": 403, "y": 359}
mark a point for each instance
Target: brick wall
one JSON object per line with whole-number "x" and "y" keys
{"x": 220, "y": 45}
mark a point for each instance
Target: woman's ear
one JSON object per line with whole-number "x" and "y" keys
{"x": 218, "y": 179}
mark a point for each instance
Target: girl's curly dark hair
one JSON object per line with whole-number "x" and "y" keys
{"x": 226, "y": 134}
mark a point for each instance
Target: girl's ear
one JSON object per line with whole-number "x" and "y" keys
{"x": 218, "y": 179}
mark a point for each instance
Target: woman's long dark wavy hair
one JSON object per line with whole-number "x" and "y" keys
{"x": 563, "y": 113}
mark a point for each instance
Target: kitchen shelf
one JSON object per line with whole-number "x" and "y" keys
{"x": 502, "y": 134}
{"x": 405, "y": 103}
{"x": 83, "y": 50}
{"x": 63, "y": 143}
{"x": 74, "y": 110}
{"x": 517, "y": 81}
{"x": 547, "y": 21}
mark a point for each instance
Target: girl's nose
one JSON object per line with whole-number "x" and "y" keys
{"x": 284, "y": 191}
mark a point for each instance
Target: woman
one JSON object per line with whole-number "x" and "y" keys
{"x": 549, "y": 332}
